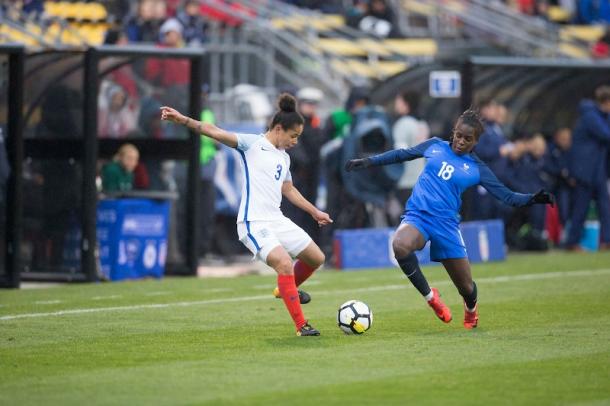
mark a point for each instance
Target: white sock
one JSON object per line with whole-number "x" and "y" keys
{"x": 429, "y": 296}
{"x": 469, "y": 310}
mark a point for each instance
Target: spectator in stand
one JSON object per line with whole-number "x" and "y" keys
{"x": 144, "y": 26}
{"x": 117, "y": 115}
{"x": 493, "y": 149}
{"x": 170, "y": 75}
{"x": 588, "y": 165}
{"x": 207, "y": 189}
{"x": 356, "y": 13}
{"x": 117, "y": 9}
{"x": 529, "y": 177}
{"x": 33, "y": 7}
{"x": 379, "y": 20}
{"x": 557, "y": 162}
{"x": 305, "y": 159}
{"x": 336, "y": 128}
{"x": 194, "y": 25}
{"x": 407, "y": 132}
{"x": 117, "y": 176}
{"x": 601, "y": 48}
{"x": 593, "y": 11}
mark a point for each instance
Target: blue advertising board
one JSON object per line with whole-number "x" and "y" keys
{"x": 132, "y": 238}
{"x": 372, "y": 247}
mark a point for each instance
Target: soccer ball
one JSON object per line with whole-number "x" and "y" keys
{"x": 354, "y": 317}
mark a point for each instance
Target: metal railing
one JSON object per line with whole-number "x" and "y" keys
{"x": 499, "y": 25}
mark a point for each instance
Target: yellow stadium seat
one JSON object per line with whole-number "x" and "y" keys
{"x": 390, "y": 68}
{"x": 340, "y": 46}
{"x": 373, "y": 47}
{"x": 361, "y": 68}
{"x": 417, "y": 7}
{"x": 558, "y": 14}
{"x": 589, "y": 33}
{"x": 573, "y": 50}
{"x": 412, "y": 47}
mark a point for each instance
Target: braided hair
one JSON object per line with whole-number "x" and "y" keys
{"x": 472, "y": 118}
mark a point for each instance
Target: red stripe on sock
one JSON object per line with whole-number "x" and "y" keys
{"x": 290, "y": 295}
{"x": 302, "y": 271}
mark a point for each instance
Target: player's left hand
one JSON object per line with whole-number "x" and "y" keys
{"x": 322, "y": 218}
{"x": 543, "y": 197}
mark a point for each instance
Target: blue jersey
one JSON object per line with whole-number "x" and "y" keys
{"x": 438, "y": 190}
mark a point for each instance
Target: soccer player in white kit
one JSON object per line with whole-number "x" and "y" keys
{"x": 261, "y": 226}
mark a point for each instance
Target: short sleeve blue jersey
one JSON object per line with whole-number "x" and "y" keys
{"x": 439, "y": 189}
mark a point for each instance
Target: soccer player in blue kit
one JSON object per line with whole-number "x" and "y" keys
{"x": 432, "y": 211}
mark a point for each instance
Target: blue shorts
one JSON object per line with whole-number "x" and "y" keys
{"x": 445, "y": 238}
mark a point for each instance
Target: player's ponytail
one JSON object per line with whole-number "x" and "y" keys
{"x": 287, "y": 115}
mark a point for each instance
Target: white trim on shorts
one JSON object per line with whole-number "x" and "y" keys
{"x": 261, "y": 237}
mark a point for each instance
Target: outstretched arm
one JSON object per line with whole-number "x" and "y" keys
{"x": 391, "y": 157}
{"x": 507, "y": 196}
{"x": 295, "y": 197}
{"x": 207, "y": 129}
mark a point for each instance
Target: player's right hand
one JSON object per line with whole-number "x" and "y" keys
{"x": 170, "y": 114}
{"x": 357, "y": 164}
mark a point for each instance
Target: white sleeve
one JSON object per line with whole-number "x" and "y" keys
{"x": 288, "y": 177}
{"x": 245, "y": 141}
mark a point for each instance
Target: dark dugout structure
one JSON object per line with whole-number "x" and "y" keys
{"x": 50, "y": 113}
{"x": 540, "y": 94}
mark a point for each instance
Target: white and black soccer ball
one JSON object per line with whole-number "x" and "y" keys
{"x": 354, "y": 317}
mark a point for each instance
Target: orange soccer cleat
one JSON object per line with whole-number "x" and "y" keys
{"x": 471, "y": 319}
{"x": 441, "y": 310}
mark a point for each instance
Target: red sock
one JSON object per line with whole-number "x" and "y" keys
{"x": 290, "y": 295}
{"x": 302, "y": 271}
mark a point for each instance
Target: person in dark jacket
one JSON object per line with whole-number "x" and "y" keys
{"x": 493, "y": 148}
{"x": 557, "y": 165}
{"x": 588, "y": 165}
{"x": 305, "y": 159}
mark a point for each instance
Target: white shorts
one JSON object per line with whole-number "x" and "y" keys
{"x": 260, "y": 237}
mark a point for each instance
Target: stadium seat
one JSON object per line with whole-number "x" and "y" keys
{"x": 390, "y": 68}
{"x": 340, "y": 46}
{"x": 573, "y": 50}
{"x": 374, "y": 47}
{"x": 412, "y": 47}
{"x": 588, "y": 33}
{"x": 558, "y": 14}
{"x": 419, "y": 8}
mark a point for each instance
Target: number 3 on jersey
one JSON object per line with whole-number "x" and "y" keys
{"x": 278, "y": 174}
{"x": 446, "y": 171}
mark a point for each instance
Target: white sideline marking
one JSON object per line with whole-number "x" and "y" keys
{"x": 217, "y": 290}
{"x": 45, "y": 302}
{"x": 156, "y": 293}
{"x": 496, "y": 279}
{"x": 110, "y": 297}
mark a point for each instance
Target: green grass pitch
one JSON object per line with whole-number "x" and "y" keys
{"x": 543, "y": 338}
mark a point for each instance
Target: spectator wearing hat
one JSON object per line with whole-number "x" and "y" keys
{"x": 305, "y": 159}
{"x": 170, "y": 76}
{"x": 169, "y": 71}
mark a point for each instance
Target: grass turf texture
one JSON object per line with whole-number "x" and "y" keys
{"x": 543, "y": 338}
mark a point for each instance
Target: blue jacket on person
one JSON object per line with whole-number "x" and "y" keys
{"x": 591, "y": 138}
{"x": 488, "y": 150}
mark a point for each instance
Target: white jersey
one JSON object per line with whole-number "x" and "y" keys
{"x": 265, "y": 169}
